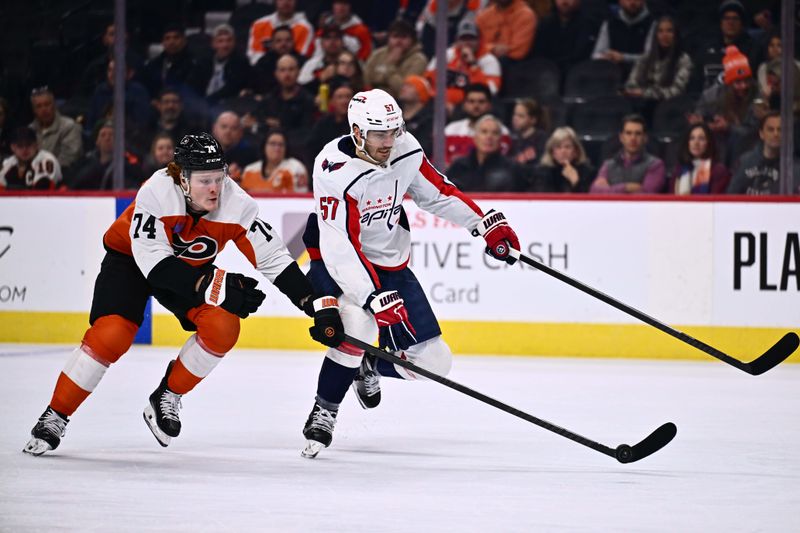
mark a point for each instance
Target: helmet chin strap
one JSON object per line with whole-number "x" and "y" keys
{"x": 186, "y": 188}
{"x": 362, "y": 152}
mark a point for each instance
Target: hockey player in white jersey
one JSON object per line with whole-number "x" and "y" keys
{"x": 359, "y": 241}
{"x": 164, "y": 245}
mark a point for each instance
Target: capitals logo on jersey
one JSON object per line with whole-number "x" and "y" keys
{"x": 331, "y": 167}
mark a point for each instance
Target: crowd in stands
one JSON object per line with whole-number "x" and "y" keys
{"x": 582, "y": 96}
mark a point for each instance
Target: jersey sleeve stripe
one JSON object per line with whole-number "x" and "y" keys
{"x": 448, "y": 189}
{"x": 354, "y": 235}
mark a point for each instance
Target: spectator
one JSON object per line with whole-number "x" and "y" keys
{"x": 728, "y": 108}
{"x": 349, "y": 71}
{"x": 529, "y": 132}
{"x": 389, "y": 65}
{"x": 759, "y": 169}
{"x": 698, "y": 170}
{"x": 138, "y": 112}
{"x": 770, "y": 95}
{"x": 171, "y": 118}
{"x": 333, "y": 124}
{"x": 96, "y": 171}
{"x": 458, "y": 135}
{"x": 284, "y": 15}
{"x": 564, "y": 166}
{"x": 467, "y": 63}
{"x": 173, "y": 66}
{"x": 29, "y": 167}
{"x": 95, "y": 72}
{"x": 5, "y": 144}
{"x": 625, "y": 36}
{"x": 508, "y": 28}
{"x": 281, "y": 44}
{"x": 457, "y": 10}
{"x": 321, "y": 67}
{"x": 239, "y": 153}
{"x": 415, "y": 100}
{"x": 663, "y": 72}
{"x": 485, "y": 168}
{"x": 356, "y": 34}
{"x": 275, "y": 173}
{"x": 226, "y": 73}
{"x": 288, "y": 107}
{"x": 774, "y": 50}
{"x": 55, "y": 133}
{"x": 566, "y": 36}
{"x": 731, "y": 32}
{"x": 632, "y": 170}
{"x": 162, "y": 150}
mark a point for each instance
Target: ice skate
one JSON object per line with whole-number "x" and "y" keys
{"x": 367, "y": 383}
{"x": 46, "y": 434}
{"x": 318, "y": 430}
{"x": 161, "y": 412}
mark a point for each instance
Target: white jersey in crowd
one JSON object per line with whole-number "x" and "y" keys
{"x": 44, "y": 166}
{"x": 359, "y": 210}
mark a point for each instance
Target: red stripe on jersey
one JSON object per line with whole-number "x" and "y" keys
{"x": 314, "y": 254}
{"x": 447, "y": 189}
{"x": 354, "y": 234}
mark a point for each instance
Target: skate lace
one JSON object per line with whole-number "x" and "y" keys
{"x": 170, "y": 404}
{"x": 372, "y": 382}
{"x": 322, "y": 419}
{"x": 53, "y": 423}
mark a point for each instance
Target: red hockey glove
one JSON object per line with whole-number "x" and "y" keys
{"x": 396, "y": 330}
{"x": 501, "y": 241}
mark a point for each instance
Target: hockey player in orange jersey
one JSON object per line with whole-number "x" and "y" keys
{"x": 164, "y": 245}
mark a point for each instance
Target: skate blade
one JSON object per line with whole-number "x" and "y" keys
{"x": 312, "y": 449}
{"x": 36, "y": 447}
{"x": 150, "y": 419}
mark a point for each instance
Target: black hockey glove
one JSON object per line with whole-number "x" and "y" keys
{"x": 327, "y": 328}
{"x": 236, "y": 293}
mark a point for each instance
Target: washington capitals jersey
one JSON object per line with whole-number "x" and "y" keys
{"x": 157, "y": 226}
{"x": 359, "y": 210}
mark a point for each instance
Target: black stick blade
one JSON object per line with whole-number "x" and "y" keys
{"x": 775, "y": 355}
{"x": 650, "y": 445}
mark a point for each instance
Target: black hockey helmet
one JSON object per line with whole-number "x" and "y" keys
{"x": 199, "y": 152}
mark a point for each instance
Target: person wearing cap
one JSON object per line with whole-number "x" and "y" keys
{"x": 226, "y": 73}
{"x": 285, "y": 15}
{"x": 55, "y": 133}
{"x": 321, "y": 67}
{"x": 355, "y": 34}
{"x": 467, "y": 62}
{"x": 415, "y": 99}
{"x": 507, "y": 28}
{"x": 173, "y": 66}
{"x": 388, "y": 66}
{"x": 728, "y": 108}
{"x": 29, "y": 167}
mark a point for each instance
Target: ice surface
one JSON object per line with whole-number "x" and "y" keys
{"x": 427, "y": 459}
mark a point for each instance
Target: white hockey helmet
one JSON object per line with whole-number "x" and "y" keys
{"x": 374, "y": 110}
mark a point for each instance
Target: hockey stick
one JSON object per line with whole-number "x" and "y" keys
{"x": 772, "y": 357}
{"x": 622, "y": 453}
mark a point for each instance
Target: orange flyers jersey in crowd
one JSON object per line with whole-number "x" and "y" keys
{"x": 156, "y": 226}
{"x": 485, "y": 70}
{"x": 261, "y": 30}
{"x": 289, "y": 176}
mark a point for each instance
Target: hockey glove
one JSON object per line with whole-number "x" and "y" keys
{"x": 501, "y": 241}
{"x": 396, "y": 330}
{"x": 236, "y": 293}
{"x": 327, "y": 328}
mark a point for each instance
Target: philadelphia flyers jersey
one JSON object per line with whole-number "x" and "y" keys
{"x": 362, "y": 224}
{"x": 156, "y": 226}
